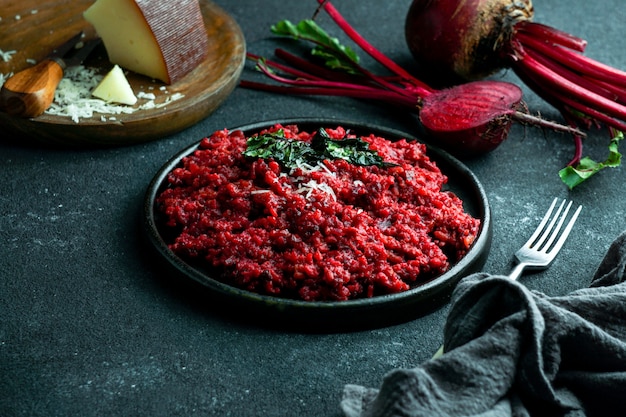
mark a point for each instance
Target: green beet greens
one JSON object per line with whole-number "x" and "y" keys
{"x": 334, "y": 54}
{"x": 586, "y": 167}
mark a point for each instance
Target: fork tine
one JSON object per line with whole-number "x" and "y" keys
{"x": 557, "y": 229}
{"x": 550, "y": 228}
{"x": 539, "y": 228}
{"x": 566, "y": 231}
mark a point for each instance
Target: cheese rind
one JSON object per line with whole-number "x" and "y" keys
{"x": 164, "y": 39}
{"x": 114, "y": 88}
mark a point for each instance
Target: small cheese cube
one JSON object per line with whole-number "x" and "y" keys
{"x": 114, "y": 88}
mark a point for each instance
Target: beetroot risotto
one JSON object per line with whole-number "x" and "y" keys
{"x": 316, "y": 216}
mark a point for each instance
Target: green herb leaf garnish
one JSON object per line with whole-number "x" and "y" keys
{"x": 293, "y": 153}
{"x": 573, "y": 176}
{"x": 329, "y": 49}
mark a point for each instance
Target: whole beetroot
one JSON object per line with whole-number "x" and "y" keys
{"x": 470, "y": 39}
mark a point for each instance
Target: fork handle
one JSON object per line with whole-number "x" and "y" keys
{"x": 30, "y": 92}
{"x": 517, "y": 271}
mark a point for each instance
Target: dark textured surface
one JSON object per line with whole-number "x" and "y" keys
{"x": 89, "y": 327}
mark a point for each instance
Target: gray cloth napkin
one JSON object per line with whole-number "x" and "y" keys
{"x": 511, "y": 351}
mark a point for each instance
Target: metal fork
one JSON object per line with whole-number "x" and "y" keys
{"x": 543, "y": 246}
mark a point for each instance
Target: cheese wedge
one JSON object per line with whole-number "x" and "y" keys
{"x": 161, "y": 39}
{"x": 114, "y": 88}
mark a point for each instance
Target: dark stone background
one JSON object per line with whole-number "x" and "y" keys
{"x": 89, "y": 327}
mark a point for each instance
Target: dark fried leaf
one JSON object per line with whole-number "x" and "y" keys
{"x": 292, "y": 153}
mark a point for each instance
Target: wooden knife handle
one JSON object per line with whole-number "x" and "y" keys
{"x": 31, "y": 91}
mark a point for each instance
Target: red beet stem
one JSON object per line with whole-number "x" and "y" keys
{"x": 312, "y": 69}
{"x": 381, "y": 95}
{"x": 303, "y": 79}
{"x": 366, "y": 87}
{"x": 593, "y": 113}
{"x": 551, "y": 35}
{"x": 605, "y": 90}
{"x": 545, "y": 76}
{"x": 573, "y": 60}
{"x": 566, "y": 104}
{"x": 366, "y": 79}
{"x": 284, "y": 68}
{"x": 556, "y": 100}
{"x": 370, "y": 49}
{"x": 618, "y": 92}
{"x": 308, "y": 82}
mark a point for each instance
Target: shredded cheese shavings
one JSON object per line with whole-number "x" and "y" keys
{"x": 4, "y": 77}
{"x": 313, "y": 185}
{"x": 7, "y": 55}
{"x": 73, "y": 97}
{"x": 149, "y": 96}
{"x": 310, "y": 186}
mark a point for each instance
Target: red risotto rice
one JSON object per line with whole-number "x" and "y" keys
{"x": 334, "y": 231}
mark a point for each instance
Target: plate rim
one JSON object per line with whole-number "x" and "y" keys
{"x": 479, "y": 251}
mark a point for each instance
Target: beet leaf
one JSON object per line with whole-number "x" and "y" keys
{"x": 586, "y": 167}
{"x": 335, "y": 55}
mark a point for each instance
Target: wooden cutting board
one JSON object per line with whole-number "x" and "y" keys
{"x": 33, "y": 28}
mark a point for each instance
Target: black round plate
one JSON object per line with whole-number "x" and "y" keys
{"x": 338, "y": 315}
